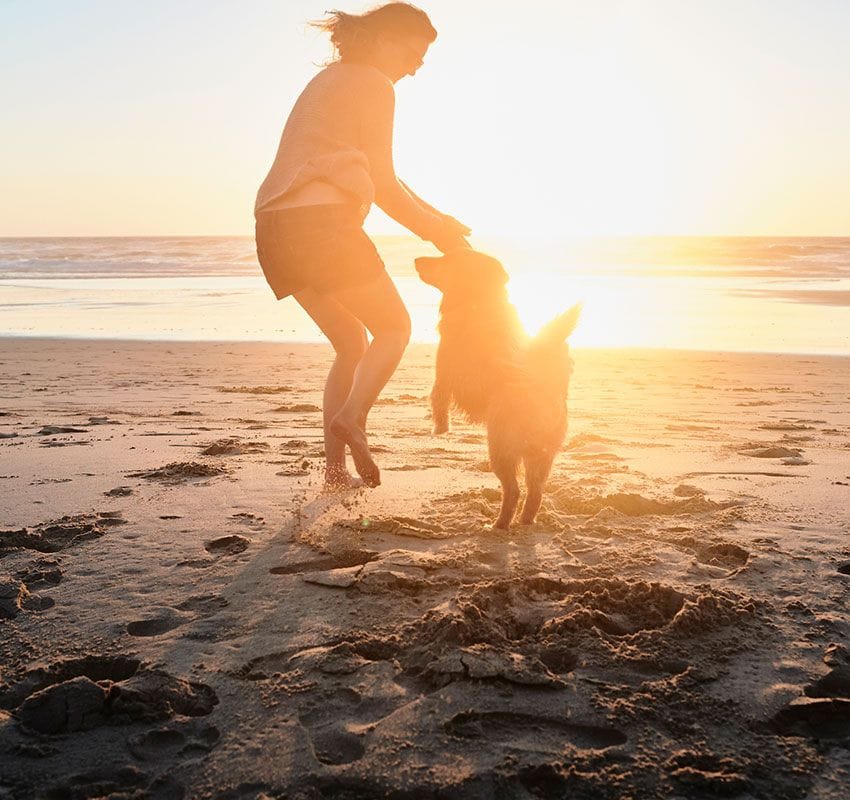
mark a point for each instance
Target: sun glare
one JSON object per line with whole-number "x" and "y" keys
{"x": 615, "y": 312}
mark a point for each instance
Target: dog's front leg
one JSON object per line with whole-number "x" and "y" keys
{"x": 441, "y": 396}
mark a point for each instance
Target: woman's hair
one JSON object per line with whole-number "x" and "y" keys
{"x": 354, "y": 36}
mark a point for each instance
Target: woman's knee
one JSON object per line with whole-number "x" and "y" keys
{"x": 351, "y": 346}
{"x": 397, "y": 331}
{"x": 380, "y": 308}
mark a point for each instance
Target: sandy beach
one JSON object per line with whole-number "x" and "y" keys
{"x": 184, "y": 613}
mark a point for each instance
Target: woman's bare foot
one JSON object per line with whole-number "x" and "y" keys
{"x": 355, "y": 438}
{"x": 339, "y": 479}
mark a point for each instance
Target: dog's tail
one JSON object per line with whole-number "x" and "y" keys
{"x": 556, "y": 331}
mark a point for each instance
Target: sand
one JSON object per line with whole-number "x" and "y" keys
{"x": 186, "y": 614}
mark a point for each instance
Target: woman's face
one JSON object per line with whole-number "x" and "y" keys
{"x": 401, "y": 55}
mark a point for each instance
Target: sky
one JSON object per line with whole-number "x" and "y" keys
{"x": 540, "y": 119}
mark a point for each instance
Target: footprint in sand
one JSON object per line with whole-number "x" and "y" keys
{"x": 816, "y": 718}
{"x": 353, "y": 558}
{"x": 351, "y": 693}
{"x": 706, "y": 774}
{"x": 824, "y": 713}
{"x": 203, "y": 605}
{"x": 168, "y": 619}
{"x": 163, "y": 622}
{"x": 180, "y": 739}
{"x": 114, "y": 781}
{"x": 15, "y": 597}
{"x": 532, "y": 732}
{"x": 230, "y": 545}
{"x": 836, "y": 683}
{"x": 253, "y": 521}
{"x": 725, "y": 555}
{"x": 41, "y": 573}
{"x": 332, "y": 743}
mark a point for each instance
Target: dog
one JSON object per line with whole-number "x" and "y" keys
{"x": 495, "y": 374}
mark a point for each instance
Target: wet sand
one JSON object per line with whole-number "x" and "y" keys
{"x": 183, "y": 612}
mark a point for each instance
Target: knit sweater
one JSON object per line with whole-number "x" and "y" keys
{"x": 340, "y": 131}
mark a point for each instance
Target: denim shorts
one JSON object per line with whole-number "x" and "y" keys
{"x": 322, "y": 247}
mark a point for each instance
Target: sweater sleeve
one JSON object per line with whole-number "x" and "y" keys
{"x": 377, "y": 143}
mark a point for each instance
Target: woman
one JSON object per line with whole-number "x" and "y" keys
{"x": 334, "y": 160}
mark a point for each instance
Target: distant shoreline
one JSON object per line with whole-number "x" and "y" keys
{"x": 671, "y": 351}
{"x": 492, "y": 236}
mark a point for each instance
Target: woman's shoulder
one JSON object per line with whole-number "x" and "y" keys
{"x": 362, "y": 77}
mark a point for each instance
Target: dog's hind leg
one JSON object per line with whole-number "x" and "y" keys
{"x": 537, "y": 468}
{"x": 441, "y": 396}
{"x": 505, "y": 467}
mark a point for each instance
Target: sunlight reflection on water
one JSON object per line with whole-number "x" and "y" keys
{"x": 704, "y": 304}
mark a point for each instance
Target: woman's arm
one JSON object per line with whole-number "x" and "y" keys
{"x": 391, "y": 195}
{"x": 419, "y": 200}
{"x": 454, "y": 227}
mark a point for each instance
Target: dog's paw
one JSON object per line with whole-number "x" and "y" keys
{"x": 440, "y": 428}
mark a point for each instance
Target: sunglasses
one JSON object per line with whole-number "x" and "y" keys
{"x": 413, "y": 54}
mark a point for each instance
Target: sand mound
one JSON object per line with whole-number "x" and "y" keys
{"x": 52, "y": 430}
{"x": 180, "y": 471}
{"x": 93, "y": 691}
{"x": 577, "y": 500}
{"x": 396, "y": 525}
{"x": 50, "y": 537}
{"x": 254, "y": 389}
{"x": 527, "y": 631}
{"x": 771, "y": 452}
{"x": 295, "y": 408}
{"x": 471, "y": 510}
{"x": 234, "y": 447}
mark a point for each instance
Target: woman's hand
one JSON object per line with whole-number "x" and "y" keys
{"x": 451, "y": 235}
{"x": 448, "y": 244}
{"x": 456, "y": 226}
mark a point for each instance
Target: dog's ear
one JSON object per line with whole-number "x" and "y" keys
{"x": 485, "y": 266}
{"x": 497, "y": 271}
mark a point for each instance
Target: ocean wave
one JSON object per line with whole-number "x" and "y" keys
{"x": 698, "y": 257}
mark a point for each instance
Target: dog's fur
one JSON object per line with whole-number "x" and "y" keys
{"x": 490, "y": 369}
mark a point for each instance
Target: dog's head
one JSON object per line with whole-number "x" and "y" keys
{"x": 462, "y": 273}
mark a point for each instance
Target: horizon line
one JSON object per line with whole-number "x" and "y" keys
{"x": 522, "y": 237}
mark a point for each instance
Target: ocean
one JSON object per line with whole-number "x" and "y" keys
{"x": 758, "y": 294}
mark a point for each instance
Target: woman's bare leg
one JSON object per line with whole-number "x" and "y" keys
{"x": 380, "y": 308}
{"x": 348, "y": 337}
